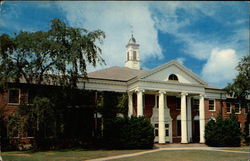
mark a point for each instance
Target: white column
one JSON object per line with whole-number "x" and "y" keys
{"x": 140, "y": 102}
{"x": 189, "y": 118}
{"x": 162, "y": 133}
{"x": 169, "y": 123}
{"x": 130, "y": 104}
{"x": 202, "y": 119}
{"x": 183, "y": 118}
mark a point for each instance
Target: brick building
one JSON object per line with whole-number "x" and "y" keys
{"x": 177, "y": 102}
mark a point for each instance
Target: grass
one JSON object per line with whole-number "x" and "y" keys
{"x": 64, "y": 155}
{"x": 173, "y": 155}
{"x": 244, "y": 149}
{"x": 188, "y": 155}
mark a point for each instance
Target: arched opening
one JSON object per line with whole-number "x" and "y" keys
{"x": 173, "y": 77}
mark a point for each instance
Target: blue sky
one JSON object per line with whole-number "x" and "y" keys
{"x": 209, "y": 38}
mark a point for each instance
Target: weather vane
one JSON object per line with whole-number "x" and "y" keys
{"x": 131, "y": 28}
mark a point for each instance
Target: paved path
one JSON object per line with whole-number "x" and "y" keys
{"x": 169, "y": 147}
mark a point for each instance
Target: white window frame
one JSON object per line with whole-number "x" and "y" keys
{"x": 229, "y": 107}
{"x": 239, "y": 108}
{"x": 214, "y": 104}
{"x": 19, "y": 97}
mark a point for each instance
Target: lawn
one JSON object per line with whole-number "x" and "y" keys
{"x": 64, "y": 155}
{"x": 189, "y": 155}
{"x": 80, "y": 155}
{"x": 244, "y": 149}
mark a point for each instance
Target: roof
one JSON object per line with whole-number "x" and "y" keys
{"x": 132, "y": 40}
{"x": 116, "y": 73}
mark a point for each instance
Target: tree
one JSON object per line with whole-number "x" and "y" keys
{"x": 240, "y": 88}
{"x": 223, "y": 132}
{"x": 57, "y": 56}
{"x": 128, "y": 133}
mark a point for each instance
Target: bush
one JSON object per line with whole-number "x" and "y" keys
{"x": 128, "y": 133}
{"x": 223, "y": 132}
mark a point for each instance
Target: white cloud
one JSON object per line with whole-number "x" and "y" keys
{"x": 115, "y": 19}
{"x": 220, "y": 67}
{"x": 199, "y": 45}
{"x": 181, "y": 60}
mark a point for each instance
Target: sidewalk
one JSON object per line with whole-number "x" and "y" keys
{"x": 169, "y": 147}
{"x": 177, "y": 145}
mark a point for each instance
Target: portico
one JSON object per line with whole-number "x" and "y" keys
{"x": 185, "y": 113}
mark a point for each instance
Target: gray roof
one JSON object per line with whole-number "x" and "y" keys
{"x": 116, "y": 73}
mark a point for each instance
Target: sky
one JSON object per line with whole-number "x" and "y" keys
{"x": 209, "y": 38}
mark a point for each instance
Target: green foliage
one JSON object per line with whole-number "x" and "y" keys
{"x": 40, "y": 57}
{"x": 223, "y": 132}
{"x": 111, "y": 103}
{"x": 129, "y": 133}
{"x": 240, "y": 88}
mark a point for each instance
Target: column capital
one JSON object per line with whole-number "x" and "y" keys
{"x": 202, "y": 94}
{"x": 184, "y": 93}
{"x": 162, "y": 91}
{"x": 139, "y": 90}
{"x": 130, "y": 92}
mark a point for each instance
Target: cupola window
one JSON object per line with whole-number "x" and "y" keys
{"x": 173, "y": 77}
{"x": 134, "y": 55}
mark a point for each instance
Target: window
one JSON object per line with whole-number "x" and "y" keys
{"x": 196, "y": 104}
{"x": 156, "y": 129}
{"x": 211, "y": 105}
{"x": 178, "y": 103}
{"x": 237, "y": 108}
{"x": 127, "y": 55}
{"x": 134, "y": 55}
{"x": 228, "y": 107}
{"x": 166, "y": 132}
{"x": 14, "y": 96}
{"x": 173, "y": 77}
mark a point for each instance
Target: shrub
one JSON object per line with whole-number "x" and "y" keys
{"x": 128, "y": 133}
{"x": 223, "y": 132}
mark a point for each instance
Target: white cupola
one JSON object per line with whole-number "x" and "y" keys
{"x": 132, "y": 54}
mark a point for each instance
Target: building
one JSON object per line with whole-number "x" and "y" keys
{"x": 177, "y": 101}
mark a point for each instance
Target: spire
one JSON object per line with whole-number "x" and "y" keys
{"x": 132, "y": 54}
{"x": 132, "y": 40}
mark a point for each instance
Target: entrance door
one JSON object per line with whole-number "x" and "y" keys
{"x": 196, "y": 135}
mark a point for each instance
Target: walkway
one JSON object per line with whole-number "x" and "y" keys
{"x": 169, "y": 147}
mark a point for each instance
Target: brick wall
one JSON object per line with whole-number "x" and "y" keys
{"x": 220, "y": 108}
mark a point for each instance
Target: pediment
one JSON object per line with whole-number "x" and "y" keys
{"x": 163, "y": 72}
